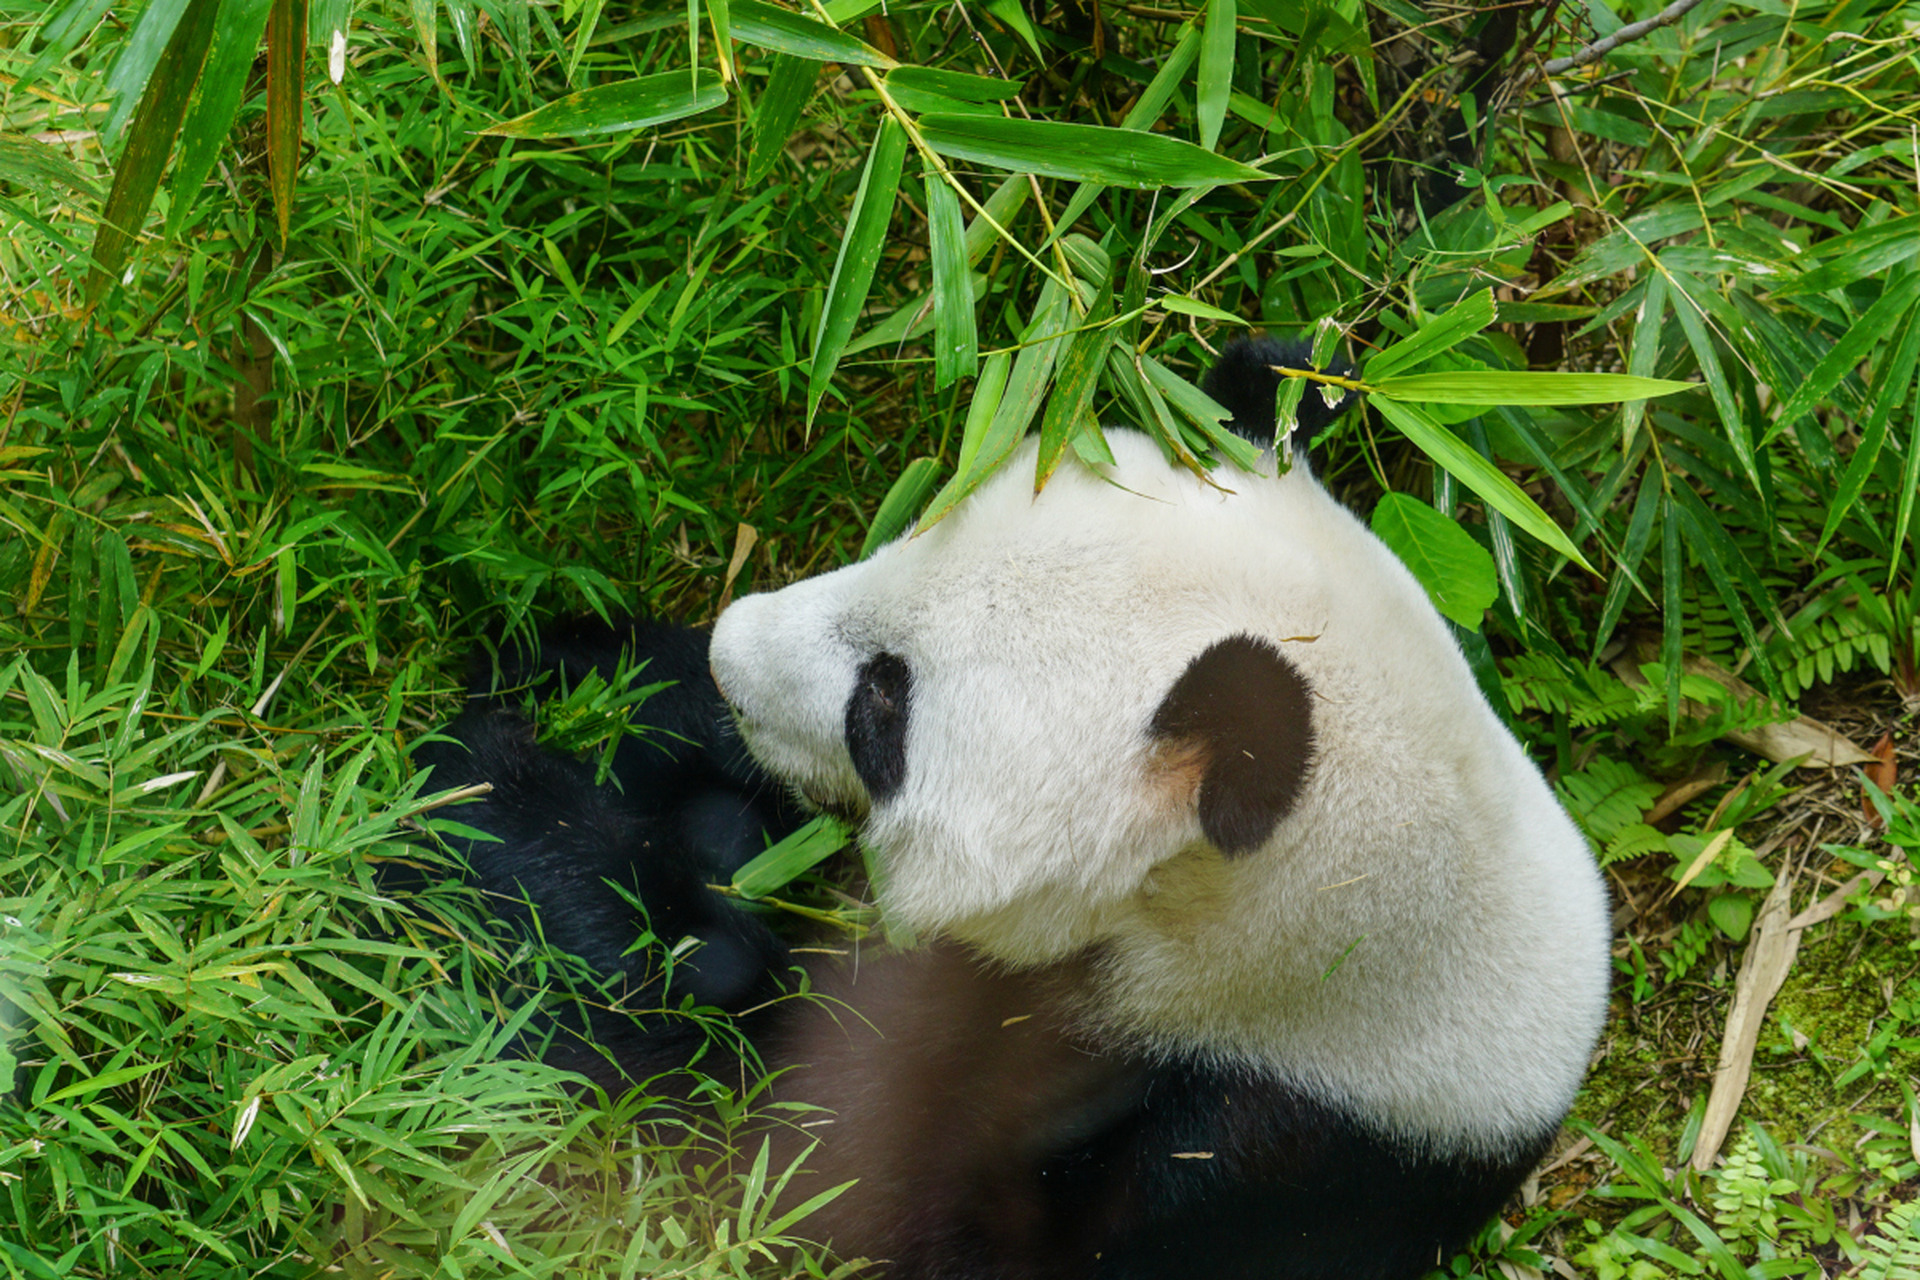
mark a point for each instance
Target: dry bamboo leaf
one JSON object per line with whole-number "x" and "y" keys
{"x": 743, "y": 541}
{"x": 1882, "y": 774}
{"x": 1762, "y": 971}
{"x": 1677, "y": 796}
{"x": 1823, "y": 746}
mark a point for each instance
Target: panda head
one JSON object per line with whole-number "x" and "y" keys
{"x": 1032, "y": 705}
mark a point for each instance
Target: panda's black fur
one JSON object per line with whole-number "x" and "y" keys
{"x": 999, "y": 1126}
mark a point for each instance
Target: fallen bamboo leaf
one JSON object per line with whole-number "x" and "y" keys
{"x": 1882, "y": 774}
{"x": 1821, "y": 745}
{"x": 1677, "y": 796}
{"x": 1762, "y": 971}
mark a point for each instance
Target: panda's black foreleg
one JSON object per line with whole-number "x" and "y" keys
{"x": 593, "y": 874}
{"x": 686, "y": 765}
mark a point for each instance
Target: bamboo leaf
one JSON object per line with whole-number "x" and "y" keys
{"x": 1632, "y": 552}
{"x": 59, "y": 34}
{"x": 1199, "y": 408}
{"x": 999, "y": 208}
{"x": 952, "y": 84}
{"x": 987, "y": 392}
{"x": 1142, "y": 115}
{"x": 897, "y": 509}
{"x": 1673, "y": 618}
{"x": 1894, "y": 372}
{"x": 1691, "y": 315}
{"x": 1858, "y": 255}
{"x": 460, "y": 14}
{"x": 794, "y": 855}
{"x": 1853, "y": 349}
{"x": 140, "y": 55}
{"x": 1441, "y": 333}
{"x": 859, "y": 254}
{"x": 1088, "y": 153}
{"x": 1014, "y": 16}
{"x": 719, "y": 17}
{"x": 33, "y": 163}
{"x": 1190, "y": 307}
{"x": 1493, "y": 485}
{"x": 956, "y": 350}
{"x": 1216, "y": 70}
{"x": 327, "y": 22}
{"x": 236, "y": 42}
{"x": 426, "y": 29}
{"x": 286, "y": 94}
{"x": 1456, "y": 571}
{"x": 790, "y": 82}
{"x": 155, "y": 125}
{"x": 784, "y": 32}
{"x": 1722, "y": 559}
{"x": 1644, "y": 353}
{"x": 1910, "y": 481}
{"x": 1073, "y": 390}
{"x": 991, "y": 437}
{"x": 1125, "y": 373}
{"x": 620, "y": 107}
{"x": 1493, "y": 386}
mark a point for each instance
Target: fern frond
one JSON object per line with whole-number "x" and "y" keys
{"x": 1606, "y": 797}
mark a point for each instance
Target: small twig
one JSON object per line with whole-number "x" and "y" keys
{"x": 1559, "y": 93}
{"x": 1769, "y": 958}
{"x": 468, "y": 792}
{"x": 1626, "y": 35}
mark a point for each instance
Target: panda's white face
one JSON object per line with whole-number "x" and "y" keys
{"x": 1225, "y": 737}
{"x": 983, "y": 695}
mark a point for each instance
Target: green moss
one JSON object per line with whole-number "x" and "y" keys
{"x": 1655, "y": 1063}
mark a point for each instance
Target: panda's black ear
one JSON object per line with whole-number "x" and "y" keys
{"x": 1238, "y": 725}
{"x": 1245, "y": 379}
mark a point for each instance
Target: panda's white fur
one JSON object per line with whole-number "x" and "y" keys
{"x": 1421, "y": 943}
{"x": 1253, "y": 945}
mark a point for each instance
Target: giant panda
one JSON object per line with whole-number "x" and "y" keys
{"x": 1250, "y": 942}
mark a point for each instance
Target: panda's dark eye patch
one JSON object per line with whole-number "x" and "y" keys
{"x": 877, "y": 723}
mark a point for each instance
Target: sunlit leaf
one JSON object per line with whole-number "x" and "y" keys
{"x": 860, "y": 245}
{"x": 1494, "y": 386}
{"x": 236, "y": 42}
{"x": 783, "y": 31}
{"x": 956, "y": 352}
{"x": 1089, "y": 153}
{"x": 150, "y": 141}
{"x": 788, "y": 85}
{"x": 897, "y": 509}
{"x": 1216, "y": 70}
{"x": 1073, "y": 390}
{"x": 32, "y": 163}
{"x": 1441, "y": 333}
{"x": 286, "y": 95}
{"x": 1494, "y": 486}
{"x": 620, "y": 107}
{"x": 1456, "y": 571}
{"x": 793, "y": 856}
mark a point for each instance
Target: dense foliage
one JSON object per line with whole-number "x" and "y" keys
{"x": 336, "y": 335}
